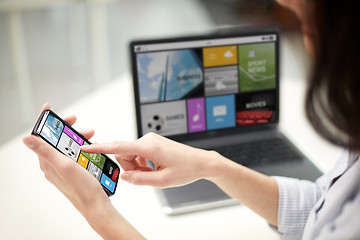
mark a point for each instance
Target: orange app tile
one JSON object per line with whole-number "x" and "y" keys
{"x": 220, "y": 56}
{"x": 83, "y": 161}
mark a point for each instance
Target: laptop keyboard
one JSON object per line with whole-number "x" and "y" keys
{"x": 263, "y": 152}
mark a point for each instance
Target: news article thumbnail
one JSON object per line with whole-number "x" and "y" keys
{"x": 257, "y": 69}
{"x": 170, "y": 75}
{"x": 221, "y": 80}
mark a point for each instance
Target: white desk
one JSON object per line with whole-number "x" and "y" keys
{"x": 31, "y": 208}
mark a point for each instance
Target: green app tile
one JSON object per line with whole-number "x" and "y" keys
{"x": 257, "y": 69}
{"x": 97, "y": 159}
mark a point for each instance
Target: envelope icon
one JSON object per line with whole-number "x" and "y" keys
{"x": 219, "y": 110}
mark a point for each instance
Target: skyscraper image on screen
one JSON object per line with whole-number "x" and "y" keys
{"x": 171, "y": 75}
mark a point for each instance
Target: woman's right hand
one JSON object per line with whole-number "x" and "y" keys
{"x": 175, "y": 164}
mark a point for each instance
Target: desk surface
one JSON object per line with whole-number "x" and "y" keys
{"x": 31, "y": 208}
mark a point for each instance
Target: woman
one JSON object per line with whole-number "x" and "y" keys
{"x": 327, "y": 209}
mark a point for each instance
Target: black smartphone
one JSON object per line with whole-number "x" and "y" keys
{"x": 67, "y": 140}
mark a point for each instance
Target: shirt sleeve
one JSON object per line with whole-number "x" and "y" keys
{"x": 296, "y": 199}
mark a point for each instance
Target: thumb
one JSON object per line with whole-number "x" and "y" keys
{"x": 151, "y": 178}
{"x": 41, "y": 148}
{"x": 35, "y": 144}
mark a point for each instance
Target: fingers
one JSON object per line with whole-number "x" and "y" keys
{"x": 152, "y": 178}
{"x": 88, "y": 133}
{"x": 70, "y": 119}
{"x": 132, "y": 163}
{"x": 142, "y": 161}
{"x": 44, "y": 107}
{"x": 120, "y": 148}
{"x": 107, "y": 148}
{"x": 127, "y": 162}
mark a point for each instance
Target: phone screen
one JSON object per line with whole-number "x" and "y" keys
{"x": 63, "y": 137}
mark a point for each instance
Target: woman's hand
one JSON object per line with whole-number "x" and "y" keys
{"x": 81, "y": 188}
{"x": 175, "y": 164}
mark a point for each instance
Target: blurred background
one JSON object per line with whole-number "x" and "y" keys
{"x": 60, "y": 50}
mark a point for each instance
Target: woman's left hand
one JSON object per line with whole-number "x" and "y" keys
{"x": 78, "y": 185}
{"x": 81, "y": 188}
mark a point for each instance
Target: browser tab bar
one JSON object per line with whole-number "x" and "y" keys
{"x": 203, "y": 43}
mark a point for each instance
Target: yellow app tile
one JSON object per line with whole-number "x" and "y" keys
{"x": 83, "y": 161}
{"x": 220, "y": 56}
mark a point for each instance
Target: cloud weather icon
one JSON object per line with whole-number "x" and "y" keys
{"x": 220, "y": 85}
{"x": 228, "y": 54}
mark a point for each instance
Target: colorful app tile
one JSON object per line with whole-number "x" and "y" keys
{"x": 94, "y": 170}
{"x": 55, "y": 125}
{"x": 164, "y": 118}
{"x": 264, "y": 100}
{"x": 115, "y": 175}
{"x": 220, "y": 112}
{"x": 49, "y": 135}
{"x": 69, "y": 147}
{"x": 83, "y": 161}
{"x": 257, "y": 67}
{"x": 73, "y": 135}
{"x": 170, "y": 75}
{"x": 108, "y": 183}
{"x": 111, "y": 170}
{"x": 196, "y": 115}
{"x": 220, "y": 56}
{"x": 221, "y": 80}
{"x": 255, "y": 108}
{"x": 96, "y": 158}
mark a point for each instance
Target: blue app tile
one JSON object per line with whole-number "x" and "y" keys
{"x": 220, "y": 112}
{"x": 107, "y": 182}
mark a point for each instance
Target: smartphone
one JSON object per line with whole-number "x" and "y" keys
{"x": 59, "y": 134}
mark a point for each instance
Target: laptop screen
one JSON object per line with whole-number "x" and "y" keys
{"x": 197, "y": 85}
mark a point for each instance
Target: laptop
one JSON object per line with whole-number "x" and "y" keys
{"x": 218, "y": 92}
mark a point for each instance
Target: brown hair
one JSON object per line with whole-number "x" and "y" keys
{"x": 333, "y": 94}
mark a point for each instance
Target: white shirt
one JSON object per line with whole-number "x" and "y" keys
{"x": 327, "y": 209}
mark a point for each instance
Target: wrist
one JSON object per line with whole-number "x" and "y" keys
{"x": 109, "y": 223}
{"x": 214, "y": 165}
{"x": 99, "y": 215}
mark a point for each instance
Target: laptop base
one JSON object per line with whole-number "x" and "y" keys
{"x": 204, "y": 195}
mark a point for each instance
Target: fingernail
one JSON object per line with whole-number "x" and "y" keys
{"x": 84, "y": 146}
{"x": 126, "y": 177}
